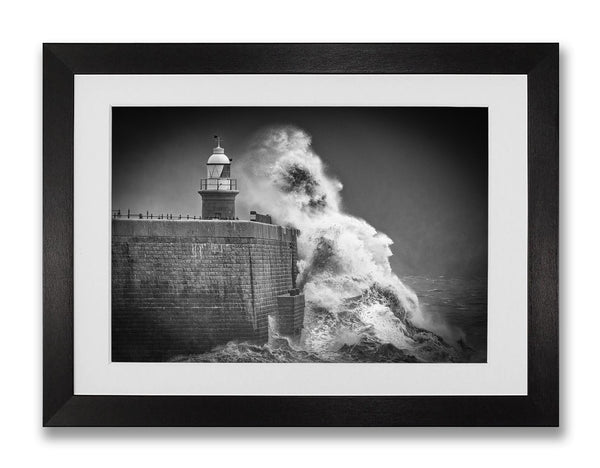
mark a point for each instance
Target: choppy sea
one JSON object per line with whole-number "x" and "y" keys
{"x": 373, "y": 328}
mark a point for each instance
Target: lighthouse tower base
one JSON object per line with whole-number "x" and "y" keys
{"x": 218, "y": 204}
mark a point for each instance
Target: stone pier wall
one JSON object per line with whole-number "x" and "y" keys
{"x": 182, "y": 287}
{"x": 290, "y": 314}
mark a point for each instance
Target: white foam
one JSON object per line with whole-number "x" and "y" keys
{"x": 341, "y": 256}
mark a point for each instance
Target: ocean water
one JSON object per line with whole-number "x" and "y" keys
{"x": 459, "y": 304}
{"x": 372, "y": 328}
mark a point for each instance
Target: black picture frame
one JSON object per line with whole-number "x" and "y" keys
{"x": 538, "y": 61}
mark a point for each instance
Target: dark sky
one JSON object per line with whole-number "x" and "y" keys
{"x": 417, "y": 174}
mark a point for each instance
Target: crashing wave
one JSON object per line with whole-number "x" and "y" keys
{"x": 357, "y": 309}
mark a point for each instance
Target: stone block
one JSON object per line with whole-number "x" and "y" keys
{"x": 290, "y": 314}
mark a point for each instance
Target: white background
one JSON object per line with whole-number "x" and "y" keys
{"x": 25, "y": 25}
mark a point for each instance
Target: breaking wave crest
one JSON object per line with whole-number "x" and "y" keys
{"x": 357, "y": 309}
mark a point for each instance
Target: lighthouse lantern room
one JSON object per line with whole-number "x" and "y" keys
{"x": 218, "y": 190}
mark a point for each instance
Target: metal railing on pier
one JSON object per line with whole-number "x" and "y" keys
{"x": 118, "y": 214}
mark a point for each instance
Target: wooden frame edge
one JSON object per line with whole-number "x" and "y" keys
{"x": 62, "y": 408}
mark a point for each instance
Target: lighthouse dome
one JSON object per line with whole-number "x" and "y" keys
{"x": 218, "y": 157}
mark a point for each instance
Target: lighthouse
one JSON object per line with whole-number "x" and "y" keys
{"x": 218, "y": 190}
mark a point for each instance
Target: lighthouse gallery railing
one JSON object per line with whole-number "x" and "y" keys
{"x": 218, "y": 184}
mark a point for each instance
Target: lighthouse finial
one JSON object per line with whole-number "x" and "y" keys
{"x": 218, "y": 138}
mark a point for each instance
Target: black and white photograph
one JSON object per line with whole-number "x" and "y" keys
{"x": 299, "y": 234}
